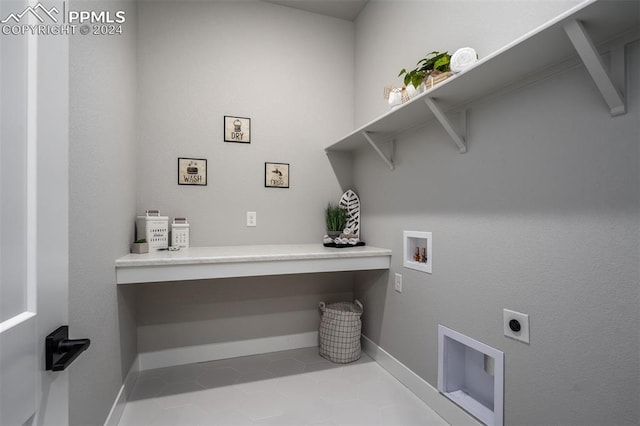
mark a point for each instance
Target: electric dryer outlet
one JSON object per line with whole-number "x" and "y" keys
{"x": 516, "y": 325}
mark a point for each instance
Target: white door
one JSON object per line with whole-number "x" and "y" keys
{"x": 33, "y": 218}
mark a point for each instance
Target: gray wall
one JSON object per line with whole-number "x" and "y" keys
{"x": 203, "y": 312}
{"x": 540, "y": 216}
{"x": 101, "y": 207}
{"x": 291, "y": 73}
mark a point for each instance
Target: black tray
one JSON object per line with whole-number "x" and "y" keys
{"x": 358, "y": 244}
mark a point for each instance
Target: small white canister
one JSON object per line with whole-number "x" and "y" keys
{"x": 180, "y": 232}
{"x": 153, "y": 228}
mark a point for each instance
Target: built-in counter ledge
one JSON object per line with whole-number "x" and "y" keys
{"x": 197, "y": 263}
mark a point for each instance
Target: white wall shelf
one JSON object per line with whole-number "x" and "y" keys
{"x": 589, "y": 29}
{"x": 246, "y": 261}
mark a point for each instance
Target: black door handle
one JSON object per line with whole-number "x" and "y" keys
{"x": 60, "y": 351}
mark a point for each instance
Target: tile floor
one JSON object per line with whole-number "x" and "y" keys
{"x": 296, "y": 387}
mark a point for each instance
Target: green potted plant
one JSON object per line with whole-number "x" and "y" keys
{"x": 433, "y": 63}
{"x": 140, "y": 246}
{"x": 336, "y": 219}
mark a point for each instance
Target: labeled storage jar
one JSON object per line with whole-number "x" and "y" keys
{"x": 153, "y": 228}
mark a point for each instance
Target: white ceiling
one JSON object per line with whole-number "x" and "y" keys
{"x": 343, "y": 9}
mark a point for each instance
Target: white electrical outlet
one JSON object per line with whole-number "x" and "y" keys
{"x": 516, "y": 325}
{"x": 398, "y": 283}
{"x": 251, "y": 219}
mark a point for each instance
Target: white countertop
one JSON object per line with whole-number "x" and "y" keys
{"x": 241, "y": 261}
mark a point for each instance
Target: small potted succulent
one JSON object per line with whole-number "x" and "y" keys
{"x": 140, "y": 246}
{"x": 336, "y": 220}
{"x": 432, "y": 64}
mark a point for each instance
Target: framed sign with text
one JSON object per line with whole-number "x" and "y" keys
{"x": 237, "y": 129}
{"x": 192, "y": 171}
{"x": 276, "y": 175}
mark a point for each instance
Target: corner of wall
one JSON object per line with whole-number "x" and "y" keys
{"x": 103, "y": 138}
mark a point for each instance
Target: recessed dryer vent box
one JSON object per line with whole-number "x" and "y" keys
{"x": 417, "y": 250}
{"x": 471, "y": 374}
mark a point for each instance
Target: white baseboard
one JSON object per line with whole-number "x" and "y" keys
{"x": 223, "y": 350}
{"x": 123, "y": 395}
{"x": 446, "y": 409}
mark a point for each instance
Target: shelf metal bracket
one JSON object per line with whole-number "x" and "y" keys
{"x": 458, "y": 137}
{"x": 592, "y": 61}
{"x": 380, "y": 147}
